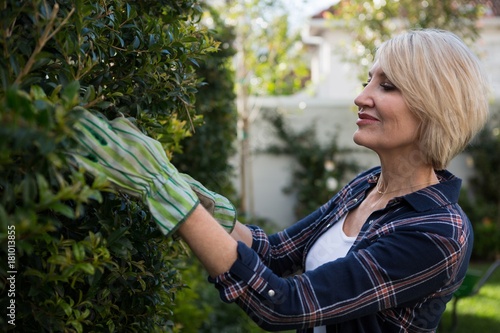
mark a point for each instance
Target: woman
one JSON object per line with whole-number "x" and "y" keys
{"x": 386, "y": 253}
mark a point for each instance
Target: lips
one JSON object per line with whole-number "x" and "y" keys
{"x": 366, "y": 116}
{"x": 365, "y": 119}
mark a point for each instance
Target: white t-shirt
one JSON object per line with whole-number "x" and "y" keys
{"x": 333, "y": 244}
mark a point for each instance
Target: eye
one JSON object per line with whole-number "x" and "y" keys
{"x": 364, "y": 84}
{"x": 388, "y": 86}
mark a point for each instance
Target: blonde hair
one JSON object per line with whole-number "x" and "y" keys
{"x": 443, "y": 84}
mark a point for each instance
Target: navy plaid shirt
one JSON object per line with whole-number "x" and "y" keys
{"x": 403, "y": 268}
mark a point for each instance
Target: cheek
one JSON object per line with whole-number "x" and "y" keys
{"x": 408, "y": 132}
{"x": 405, "y": 120}
{"x": 414, "y": 125}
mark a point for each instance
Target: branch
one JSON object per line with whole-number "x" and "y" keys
{"x": 46, "y": 36}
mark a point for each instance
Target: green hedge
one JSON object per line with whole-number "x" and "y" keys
{"x": 85, "y": 259}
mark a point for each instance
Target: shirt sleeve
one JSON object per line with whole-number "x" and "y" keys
{"x": 395, "y": 267}
{"x": 283, "y": 252}
{"x": 260, "y": 243}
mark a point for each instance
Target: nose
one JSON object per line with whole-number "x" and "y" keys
{"x": 364, "y": 99}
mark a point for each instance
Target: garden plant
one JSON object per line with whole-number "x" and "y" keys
{"x": 79, "y": 256}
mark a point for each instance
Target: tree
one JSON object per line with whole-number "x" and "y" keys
{"x": 268, "y": 62}
{"x": 82, "y": 257}
{"x": 270, "y": 54}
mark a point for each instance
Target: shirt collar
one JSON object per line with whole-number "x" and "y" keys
{"x": 444, "y": 193}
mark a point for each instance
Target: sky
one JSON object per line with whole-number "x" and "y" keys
{"x": 311, "y": 6}
{"x": 301, "y": 10}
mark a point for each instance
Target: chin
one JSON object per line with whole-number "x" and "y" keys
{"x": 363, "y": 140}
{"x": 359, "y": 139}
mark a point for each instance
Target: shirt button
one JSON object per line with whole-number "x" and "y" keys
{"x": 355, "y": 200}
{"x": 271, "y": 293}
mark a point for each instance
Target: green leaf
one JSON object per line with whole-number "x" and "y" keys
{"x": 111, "y": 325}
{"x": 70, "y": 93}
{"x": 89, "y": 94}
{"x": 117, "y": 235}
{"x": 37, "y": 92}
{"x": 43, "y": 187}
{"x": 34, "y": 272}
{"x": 137, "y": 43}
{"x": 55, "y": 92}
{"x": 78, "y": 251}
{"x": 86, "y": 267}
{"x": 29, "y": 189}
{"x": 66, "y": 307}
{"x": 63, "y": 209}
{"x": 77, "y": 325}
{"x": 19, "y": 101}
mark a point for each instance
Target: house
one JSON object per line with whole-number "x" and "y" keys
{"x": 328, "y": 103}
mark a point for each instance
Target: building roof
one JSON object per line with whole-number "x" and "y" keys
{"x": 492, "y": 9}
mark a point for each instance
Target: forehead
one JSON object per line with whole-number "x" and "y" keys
{"x": 376, "y": 70}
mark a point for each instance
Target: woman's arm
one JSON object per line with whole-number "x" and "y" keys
{"x": 361, "y": 284}
{"x": 243, "y": 234}
{"x": 208, "y": 240}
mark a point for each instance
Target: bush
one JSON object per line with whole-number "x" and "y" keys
{"x": 320, "y": 170}
{"x": 482, "y": 203}
{"x": 205, "y": 154}
{"x": 81, "y": 258}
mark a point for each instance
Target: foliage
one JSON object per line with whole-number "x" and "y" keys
{"x": 201, "y": 310}
{"x": 372, "y": 22}
{"x": 206, "y": 153}
{"x": 320, "y": 169}
{"x": 483, "y": 205}
{"x": 270, "y": 57}
{"x": 86, "y": 258}
{"x": 268, "y": 62}
{"x": 205, "y": 156}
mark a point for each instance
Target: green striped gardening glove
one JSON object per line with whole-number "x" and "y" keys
{"x": 136, "y": 164}
{"x": 217, "y": 205}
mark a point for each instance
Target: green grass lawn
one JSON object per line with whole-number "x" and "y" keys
{"x": 479, "y": 313}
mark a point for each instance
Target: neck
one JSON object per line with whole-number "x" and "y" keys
{"x": 395, "y": 183}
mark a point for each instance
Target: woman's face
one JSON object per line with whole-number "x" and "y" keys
{"x": 385, "y": 124}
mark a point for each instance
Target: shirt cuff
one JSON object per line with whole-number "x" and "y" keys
{"x": 248, "y": 271}
{"x": 260, "y": 243}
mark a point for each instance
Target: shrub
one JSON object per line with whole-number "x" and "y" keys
{"x": 205, "y": 154}
{"x": 482, "y": 203}
{"x": 86, "y": 259}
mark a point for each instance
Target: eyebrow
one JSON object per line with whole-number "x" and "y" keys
{"x": 382, "y": 74}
